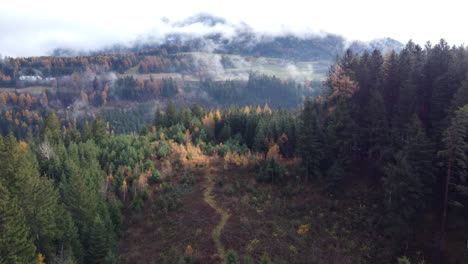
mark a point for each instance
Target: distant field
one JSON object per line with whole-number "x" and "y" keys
{"x": 147, "y": 76}
{"x": 30, "y": 89}
{"x": 211, "y": 66}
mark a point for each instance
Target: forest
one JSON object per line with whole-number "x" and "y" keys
{"x": 371, "y": 167}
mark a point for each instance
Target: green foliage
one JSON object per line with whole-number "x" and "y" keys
{"x": 187, "y": 179}
{"x": 138, "y": 202}
{"x": 265, "y": 259}
{"x": 310, "y": 148}
{"x": 15, "y": 243}
{"x": 155, "y": 177}
{"x": 454, "y": 153}
{"x": 163, "y": 150}
{"x": 403, "y": 260}
{"x": 168, "y": 200}
{"x": 98, "y": 242}
{"x": 148, "y": 165}
{"x": 247, "y": 260}
{"x": 231, "y": 257}
{"x": 273, "y": 171}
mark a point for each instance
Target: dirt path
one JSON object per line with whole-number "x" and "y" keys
{"x": 209, "y": 199}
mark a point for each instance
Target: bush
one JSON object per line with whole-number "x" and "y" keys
{"x": 272, "y": 171}
{"x": 229, "y": 190}
{"x": 138, "y": 203}
{"x": 231, "y": 257}
{"x": 168, "y": 202}
{"x": 265, "y": 259}
{"x": 155, "y": 177}
{"x": 163, "y": 150}
{"x": 148, "y": 165}
{"x": 208, "y": 149}
{"x": 247, "y": 260}
{"x": 220, "y": 181}
{"x": 187, "y": 179}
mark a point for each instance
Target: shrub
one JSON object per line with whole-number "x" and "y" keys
{"x": 168, "y": 202}
{"x": 155, "y": 177}
{"x": 187, "y": 179}
{"x": 272, "y": 171}
{"x": 163, "y": 150}
{"x": 138, "y": 203}
{"x": 247, "y": 260}
{"x": 231, "y": 257}
{"x": 220, "y": 181}
{"x": 148, "y": 165}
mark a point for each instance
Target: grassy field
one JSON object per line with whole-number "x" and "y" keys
{"x": 33, "y": 90}
{"x": 283, "y": 69}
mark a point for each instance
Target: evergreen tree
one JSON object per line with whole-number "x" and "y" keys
{"x": 454, "y": 153}
{"x": 52, "y": 128}
{"x": 15, "y": 243}
{"x": 98, "y": 247}
{"x": 310, "y": 148}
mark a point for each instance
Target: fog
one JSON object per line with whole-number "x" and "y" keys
{"x": 37, "y": 27}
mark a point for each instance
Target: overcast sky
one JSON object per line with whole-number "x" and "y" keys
{"x": 36, "y": 27}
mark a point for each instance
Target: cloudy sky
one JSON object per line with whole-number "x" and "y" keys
{"x": 36, "y": 27}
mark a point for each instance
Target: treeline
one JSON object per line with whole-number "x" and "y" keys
{"x": 52, "y": 203}
{"x": 156, "y": 60}
{"x": 129, "y": 88}
{"x": 253, "y": 128}
{"x": 260, "y": 89}
{"x": 401, "y": 121}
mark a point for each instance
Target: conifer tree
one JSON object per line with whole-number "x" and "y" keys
{"x": 15, "y": 243}
{"x": 310, "y": 148}
{"x": 455, "y": 160}
{"x": 98, "y": 245}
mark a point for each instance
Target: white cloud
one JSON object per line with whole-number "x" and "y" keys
{"x": 35, "y": 27}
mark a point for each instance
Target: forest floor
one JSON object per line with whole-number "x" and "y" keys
{"x": 226, "y": 208}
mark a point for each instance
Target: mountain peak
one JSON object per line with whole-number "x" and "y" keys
{"x": 205, "y": 19}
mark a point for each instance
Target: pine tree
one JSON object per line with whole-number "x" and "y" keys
{"x": 341, "y": 137}
{"x": 98, "y": 247}
{"x": 461, "y": 97}
{"x": 456, "y": 161}
{"x": 15, "y": 243}
{"x": 35, "y": 194}
{"x": 420, "y": 153}
{"x": 41, "y": 210}
{"x": 403, "y": 190}
{"x": 52, "y": 128}
{"x": 310, "y": 148}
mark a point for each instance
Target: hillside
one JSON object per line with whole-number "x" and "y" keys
{"x": 231, "y": 146}
{"x": 213, "y": 70}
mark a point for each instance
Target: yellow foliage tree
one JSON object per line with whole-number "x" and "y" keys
{"x": 23, "y": 146}
{"x": 259, "y": 110}
{"x": 40, "y": 259}
{"x": 267, "y": 109}
{"x": 189, "y": 250}
{"x": 341, "y": 84}
{"x": 303, "y": 229}
{"x": 273, "y": 151}
{"x": 124, "y": 188}
{"x": 218, "y": 115}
